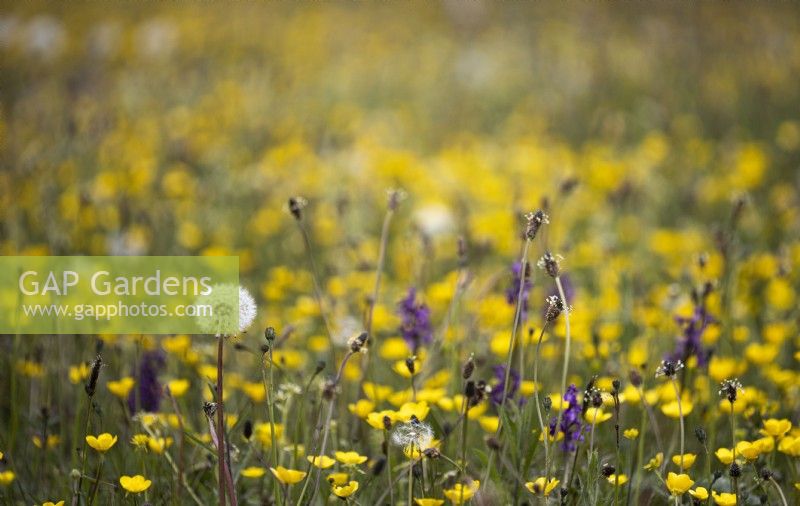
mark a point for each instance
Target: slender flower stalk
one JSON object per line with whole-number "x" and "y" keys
{"x": 567, "y": 341}
{"x": 545, "y": 435}
{"x": 220, "y": 422}
{"x": 329, "y": 392}
{"x": 680, "y": 415}
{"x": 730, "y": 389}
{"x": 778, "y": 488}
{"x": 296, "y": 206}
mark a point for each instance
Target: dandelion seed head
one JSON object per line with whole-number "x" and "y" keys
{"x": 413, "y": 433}
{"x": 226, "y": 317}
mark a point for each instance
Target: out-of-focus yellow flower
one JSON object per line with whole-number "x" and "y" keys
{"x": 631, "y": 433}
{"x": 52, "y": 441}
{"x": 401, "y": 367}
{"x": 724, "y": 499}
{"x": 724, "y": 455}
{"x": 338, "y": 478}
{"x": 344, "y": 490}
{"x": 134, "y": 484}
{"x": 538, "y": 486}
{"x": 461, "y": 493}
{"x": 489, "y": 423}
{"x": 287, "y": 476}
{"x": 361, "y": 408}
{"x": 776, "y": 428}
{"x": 350, "y": 458}
{"x": 140, "y": 440}
{"x": 761, "y": 353}
{"x": 418, "y": 451}
{"x": 376, "y": 419}
{"x": 7, "y": 477}
{"x": 671, "y": 410}
{"x": 688, "y": 460}
{"x": 176, "y": 344}
{"x": 618, "y": 480}
{"x": 596, "y": 415}
{"x": 254, "y": 390}
{"x": 79, "y": 373}
{"x": 429, "y": 502}
{"x": 394, "y": 348}
{"x": 377, "y": 393}
{"x": 700, "y": 493}
{"x": 51, "y": 503}
{"x": 178, "y": 387}
{"x": 288, "y": 359}
{"x": 263, "y": 433}
{"x": 122, "y": 387}
{"x": 253, "y": 472}
{"x": 790, "y": 446}
{"x": 157, "y": 445}
{"x": 321, "y": 461}
{"x": 411, "y": 409}
{"x": 765, "y": 444}
{"x": 655, "y": 462}
{"x": 747, "y": 450}
{"x": 678, "y": 484}
{"x": 101, "y": 443}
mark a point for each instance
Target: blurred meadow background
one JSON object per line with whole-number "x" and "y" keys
{"x": 662, "y": 139}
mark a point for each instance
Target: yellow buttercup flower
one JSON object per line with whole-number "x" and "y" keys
{"x": 6, "y": 478}
{"x": 411, "y": 409}
{"x": 287, "y": 476}
{"x": 688, "y": 460}
{"x": 461, "y": 493}
{"x": 253, "y": 472}
{"x": 631, "y": 433}
{"x": 776, "y": 428}
{"x": 362, "y": 408}
{"x": 78, "y": 373}
{"x": 538, "y": 486}
{"x": 401, "y": 367}
{"x": 377, "y": 393}
{"x": 655, "y": 462}
{"x": 724, "y": 455}
{"x": 350, "y": 458}
{"x": 618, "y": 480}
{"x": 178, "y": 387}
{"x": 344, "y": 490}
{"x": 724, "y": 499}
{"x": 596, "y": 415}
{"x": 101, "y": 443}
{"x": 429, "y": 502}
{"x": 671, "y": 410}
{"x": 790, "y": 446}
{"x": 700, "y": 493}
{"x": 134, "y": 484}
{"x": 321, "y": 461}
{"x": 159, "y": 444}
{"x": 375, "y": 419}
{"x": 52, "y": 441}
{"x": 489, "y": 423}
{"x": 748, "y": 450}
{"x": 678, "y": 484}
{"x": 338, "y": 478}
{"x": 51, "y": 503}
{"x": 122, "y": 387}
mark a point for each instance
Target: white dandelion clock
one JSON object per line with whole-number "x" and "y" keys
{"x": 414, "y": 434}
{"x": 226, "y": 311}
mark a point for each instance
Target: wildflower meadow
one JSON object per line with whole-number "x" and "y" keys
{"x": 489, "y": 253}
